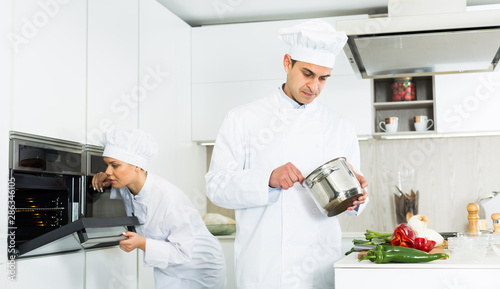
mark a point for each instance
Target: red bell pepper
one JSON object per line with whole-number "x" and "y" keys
{"x": 423, "y": 244}
{"x": 403, "y": 236}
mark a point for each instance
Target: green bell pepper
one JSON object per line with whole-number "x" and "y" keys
{"x": 385, "y": 254}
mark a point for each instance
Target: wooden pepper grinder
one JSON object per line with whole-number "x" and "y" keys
{"x": 473, "y": 210}
{"x": 496, "y": 222}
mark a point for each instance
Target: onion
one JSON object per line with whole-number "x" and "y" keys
{"x": 430, "y": 234}
{"x": 419, "y": 224}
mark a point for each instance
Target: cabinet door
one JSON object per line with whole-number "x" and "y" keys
{"x": 468, "y": 102}
{"x": 165, "y": 100}
{"x": 110, "y": 268}
{"x": 112, "y": 66}
{"x": 247, "y": 51}
{"x": 211, "y": 102}
{"x": 145, "y": 273}
{"x": 50, "y": 272}
{"x": 345, "y": 94}
{"x": 238, "y": 52}
{"x": 227, "y": 244}
{"x": 49, "y": 68}
{"x": 350, "y": 96}
{"x": 237, "y": 63}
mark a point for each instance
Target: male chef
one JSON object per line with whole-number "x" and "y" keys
{"x": 262, "y": 154}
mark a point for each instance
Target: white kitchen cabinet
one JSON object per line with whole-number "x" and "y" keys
{"x": 211, "y": 102}
{"x": 350, "y": 97}
{"x": 247, "y": 51}
{"x": 238, "y": 52}
{"x": 405, "y": 110}
{"x": 49, "y": 58}
{"x": 443, "y": 273}
{"x": 237, "y": 63}
{"x": 165, "y": 102}
{"x": 145, "y": 274}
{"x": 61, "y": 271}
{"x": 165, "y": 82}
{"x": 345, "y": 94}
{"x": 110, "y": 268}
{"x": 112, "y": 82}
{"x": 468, "y": 102}
{"x": 227, "y": 244}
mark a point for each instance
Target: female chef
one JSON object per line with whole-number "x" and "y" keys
{"x": 172, "y": 234}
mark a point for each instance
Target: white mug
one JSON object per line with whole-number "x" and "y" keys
{"x": 422, "y": 123}
{"x": 390, "y": 124}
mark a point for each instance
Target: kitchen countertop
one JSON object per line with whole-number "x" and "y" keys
{"x": 440, "y": 274}
{"x": 491, "y": 261}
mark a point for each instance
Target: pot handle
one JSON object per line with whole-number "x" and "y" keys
{"x": 327, "y": 171}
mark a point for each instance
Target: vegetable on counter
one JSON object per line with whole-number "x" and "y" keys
{"x": 419, "y": 224}
{"x": 413, "y": 234}
{"x": 404, "y": 236}
{"x": 372, "y": 239}
{"x": 385, "y": 254}
{"x": 369, "y": 235}
{"x": 424, "y": 244}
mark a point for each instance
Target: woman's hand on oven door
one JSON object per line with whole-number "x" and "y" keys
{"x": 99, "y": 181}
{"x": 133, "y": 241}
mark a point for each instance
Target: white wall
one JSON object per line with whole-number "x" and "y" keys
{"x": 450, "y": 173}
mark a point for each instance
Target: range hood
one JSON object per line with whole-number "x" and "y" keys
{"x": 424, "y": 37}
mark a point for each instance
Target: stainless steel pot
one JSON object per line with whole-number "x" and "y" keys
{"x": 333, "y": 187}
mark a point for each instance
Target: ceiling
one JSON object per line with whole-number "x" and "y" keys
{"x": 210, "y": 12}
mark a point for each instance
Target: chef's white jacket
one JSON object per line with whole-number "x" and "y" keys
{"x": 178, "y": 244}
{"x": 282, "y": 240}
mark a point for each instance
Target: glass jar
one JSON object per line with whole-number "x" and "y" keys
{"x": 403, "y": 89}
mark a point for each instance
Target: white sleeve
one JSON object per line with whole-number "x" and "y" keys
{"x": 230, "y": 184}
{"x": 177, "y": 247}
{"x": 354, "y": 159}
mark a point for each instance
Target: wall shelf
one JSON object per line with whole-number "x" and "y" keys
{"x": 404, "y": 104}
{"x": 383, "y": 107}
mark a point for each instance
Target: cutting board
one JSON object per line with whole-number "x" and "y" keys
{"x": 433, "y": 251}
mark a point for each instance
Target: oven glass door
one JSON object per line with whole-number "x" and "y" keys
{"x": 99, "y": 204}
{"x": 46, "y": 157}
{"x": 44, "y": 202}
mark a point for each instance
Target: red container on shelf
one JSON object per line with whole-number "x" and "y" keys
{"x": 403, "y": 89}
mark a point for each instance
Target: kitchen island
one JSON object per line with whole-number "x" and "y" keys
{"x": 440, "y": 274}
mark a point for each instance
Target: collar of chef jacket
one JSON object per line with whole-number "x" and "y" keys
{"x": 293, "y": 102}
{"x": 145, "y": 190}
{"x": 115, "y": 193}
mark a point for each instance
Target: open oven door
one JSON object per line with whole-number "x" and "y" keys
{"x": 84, "y": 233}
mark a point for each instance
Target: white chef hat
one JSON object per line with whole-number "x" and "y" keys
{"x": 132, "y": 146}
{"x": 314, "y": 41}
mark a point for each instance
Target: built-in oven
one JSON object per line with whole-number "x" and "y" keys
{"x": 52, "y": 205}
{"x": 48, "y": 182}
{"x": 98, "y": 204}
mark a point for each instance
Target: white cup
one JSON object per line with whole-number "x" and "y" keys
{"x": 390, "y": 124}
{"x": 422, "y": 123}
